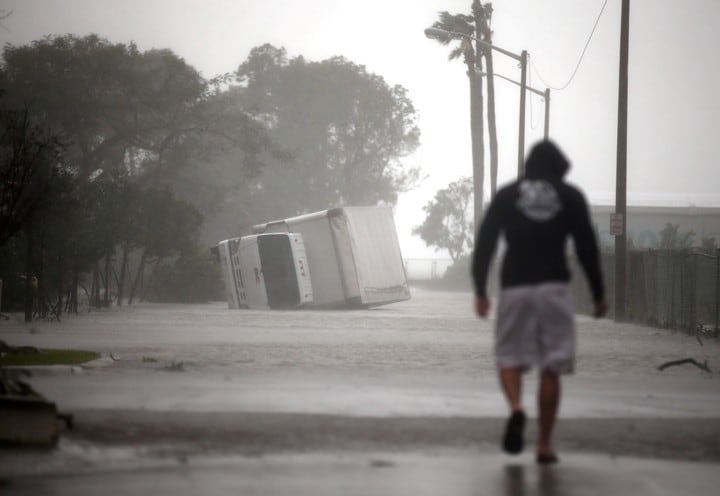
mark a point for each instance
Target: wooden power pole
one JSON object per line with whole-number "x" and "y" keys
{"x": 621, "y": 174}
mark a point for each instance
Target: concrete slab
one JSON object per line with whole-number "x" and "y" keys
{"x": 27, "y": 420}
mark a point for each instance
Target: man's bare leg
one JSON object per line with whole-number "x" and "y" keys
{"x": 548, "y": 402}
{"x": 513, "y": 439}
{"x": 511, "y": 382}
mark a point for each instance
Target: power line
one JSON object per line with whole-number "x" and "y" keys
{"x": 582, "y": 55}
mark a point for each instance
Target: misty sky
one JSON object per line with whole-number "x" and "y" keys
{"x": 673, "y": 108}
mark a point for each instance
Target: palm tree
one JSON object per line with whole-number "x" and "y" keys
{"x": 483, "y": 15}
{"x": 464, "y": 24}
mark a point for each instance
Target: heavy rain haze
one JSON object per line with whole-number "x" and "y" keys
{"x": 236, "y": 235}
{"x": 672, "y": 127}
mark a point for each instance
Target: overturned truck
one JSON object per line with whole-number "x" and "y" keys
{"x": 342, "y": 257}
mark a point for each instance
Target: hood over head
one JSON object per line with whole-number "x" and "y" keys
{"x": 546, "y": 161}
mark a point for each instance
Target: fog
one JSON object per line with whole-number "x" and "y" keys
{"x": 672, "y": 111}
{"x": 200, "y": 121}
{"x": 199, "y": 398}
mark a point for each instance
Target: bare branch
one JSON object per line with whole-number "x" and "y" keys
{"x": 4, "y": 14}
{"x": 672, "y": 363}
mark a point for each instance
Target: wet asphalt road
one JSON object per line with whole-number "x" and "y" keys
{"x": 400, "y": 399}
{"x": 363, "y": 473}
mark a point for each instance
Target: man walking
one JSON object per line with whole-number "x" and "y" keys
{"x": 535, "y": 324}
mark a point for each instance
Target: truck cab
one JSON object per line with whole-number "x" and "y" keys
{"x": 266, "y": 271}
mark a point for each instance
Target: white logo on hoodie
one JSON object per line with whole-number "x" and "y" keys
{"x": 538, "y": 200}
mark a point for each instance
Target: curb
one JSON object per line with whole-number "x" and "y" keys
{"x": 39, "y": 370}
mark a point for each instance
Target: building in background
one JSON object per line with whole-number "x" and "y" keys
{"x": 645, "y": 224}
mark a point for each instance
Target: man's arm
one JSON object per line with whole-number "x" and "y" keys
{"x": 485, "y": 243}
{"x": 587, "y": 251}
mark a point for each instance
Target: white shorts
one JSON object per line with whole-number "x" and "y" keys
{"x": 536, "y": 326}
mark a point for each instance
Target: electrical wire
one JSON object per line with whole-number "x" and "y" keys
{"x": 533, "y": 124}
{"x": 582, "y": 55}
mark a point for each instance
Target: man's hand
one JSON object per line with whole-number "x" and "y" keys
{"x": 482, "y": 306}
{"x": 601, "y": 309}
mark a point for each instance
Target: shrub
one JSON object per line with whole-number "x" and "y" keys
{"x": 193, "y": 277}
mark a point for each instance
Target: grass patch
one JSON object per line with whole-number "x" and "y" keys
{"x": 47, "y": 357}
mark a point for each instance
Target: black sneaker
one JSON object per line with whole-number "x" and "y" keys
{"x": 513, "y": 442}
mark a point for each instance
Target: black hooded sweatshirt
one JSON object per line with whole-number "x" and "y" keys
{"x": 536, "y": 215}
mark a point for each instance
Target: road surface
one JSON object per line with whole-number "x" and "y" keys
{"x": 400, "y": 399}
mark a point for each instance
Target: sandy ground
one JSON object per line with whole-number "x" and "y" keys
{"x": 193, "y": 382}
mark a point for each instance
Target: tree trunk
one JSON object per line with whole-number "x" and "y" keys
{"x": 478, "y": 142}
{"x": 29, "y": 286}
{"x": 106, "y": 299}
{"x": 95, "y": 290}
{"x": 72, "y": 303}
{"x": 140, "y": 274}
{"x": 40, "y": 296}
{"x": 123, "y": 269}
{"x": 56, "y": 309}
{"x": 482, "y": 22}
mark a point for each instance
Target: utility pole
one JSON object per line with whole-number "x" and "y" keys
{"x": 547, "y": 113}
{"x": 621, "y": 173}
{"x": 436, "y": 33}
{"x": 544, "y": 94}
{"x": 521, "y": 131}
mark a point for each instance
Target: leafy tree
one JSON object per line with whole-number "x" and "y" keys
{"x": 483, "y": 15}
{"x": 131, "y": 121}
{"x": 170, "y": 228}
{"x": 72, "y": 227}
{"x": 447, "y": 223}
{"x": 194, "y": 278}
{"x": 31, "y": 160}
{"x": 51, "y": 245}
{"x": 195, "y": 125}
{"x": 672, "y": 239}
{"x": 71, "y": 84}
{"x": 89, "y": 227}
{"x": 146, "y": 114}
{"x": 461, "y": 23}
{"x": 476, "y": 25}
{"x": 709, "y": 244}
{"x": 30, "y": 157}
{"x": 219, "y": 179}
{"x": 345, "y": 128}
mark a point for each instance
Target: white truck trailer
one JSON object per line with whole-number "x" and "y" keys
{"x": 353, "y": 255}
{"x": 265, "y": 271}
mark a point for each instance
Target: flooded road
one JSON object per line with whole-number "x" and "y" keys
{"x": 181, "y": 385}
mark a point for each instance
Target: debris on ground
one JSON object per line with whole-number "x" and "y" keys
{"x": 174, "y": 367}
{"x": 672, "y": 363}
